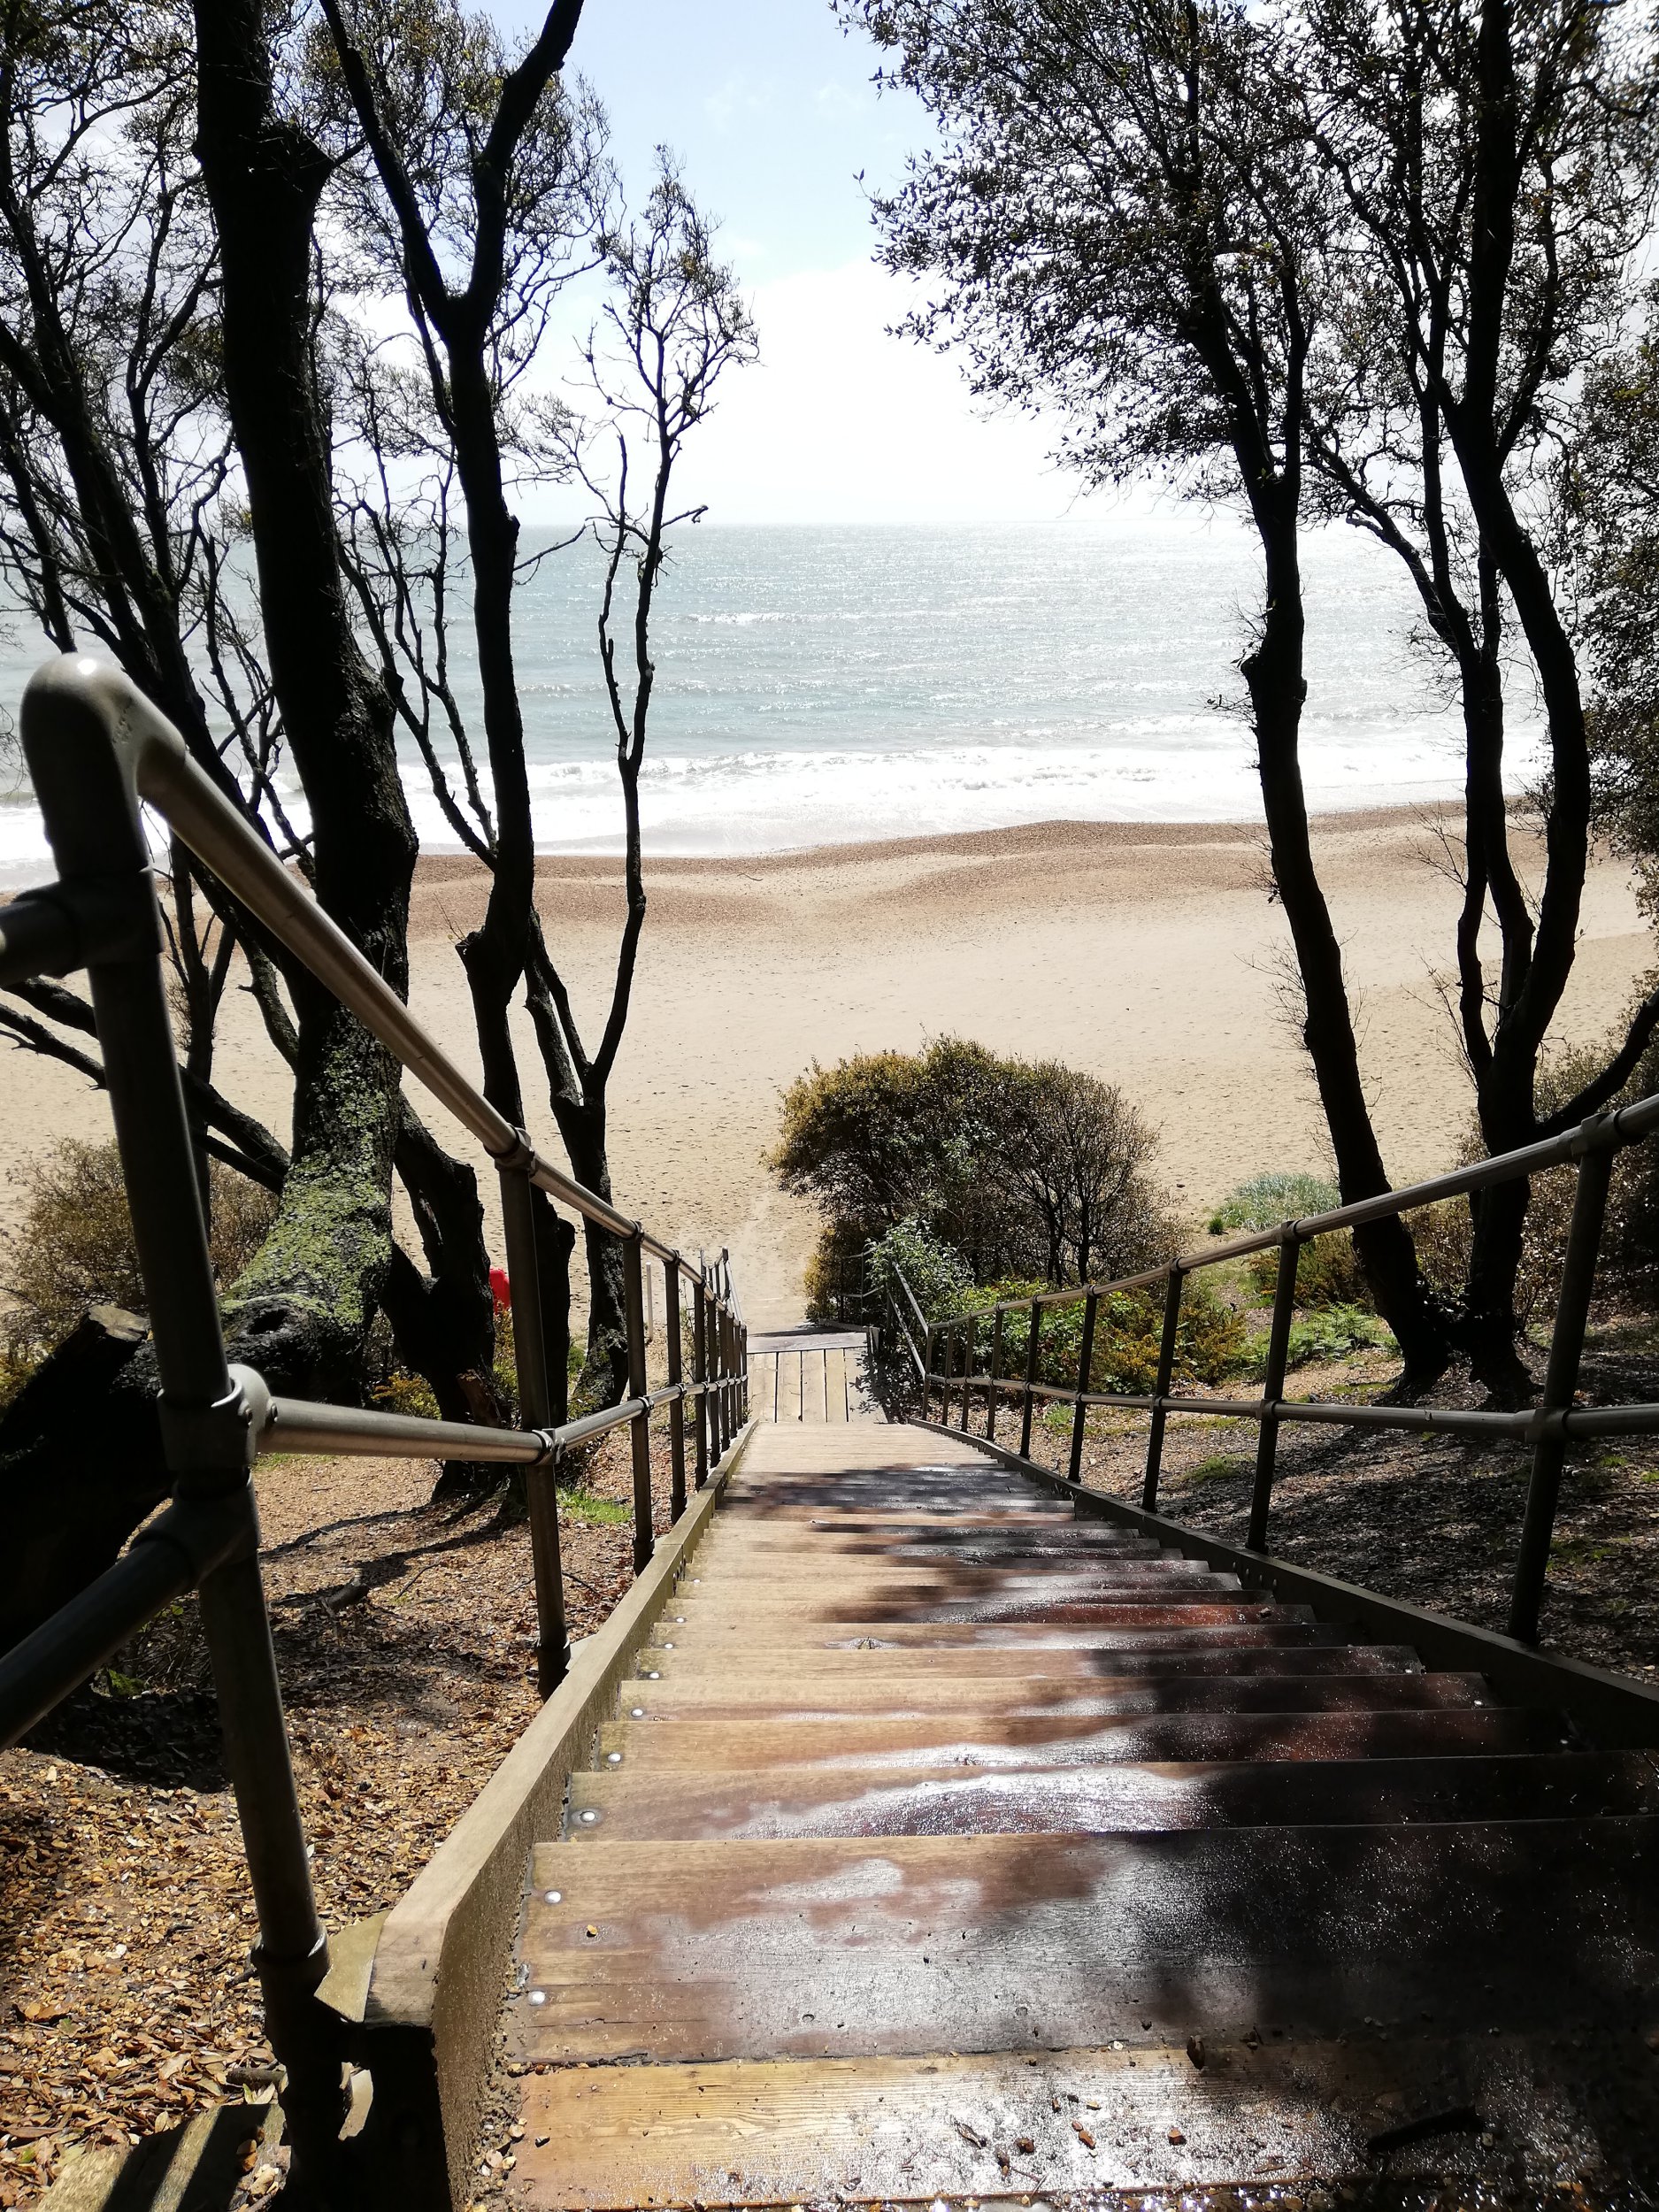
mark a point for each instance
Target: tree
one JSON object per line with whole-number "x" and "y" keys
{"x": 1497, "y": 165}
{"x": 126, "y": 528}
{"x": 1122, "y": 221}
{"x": 493, "y": 192}
{"x": 1024, "y": 1169}
{"x": 1611, "y": 508}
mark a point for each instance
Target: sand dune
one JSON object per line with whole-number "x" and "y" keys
{"x": 1150, "y": 954}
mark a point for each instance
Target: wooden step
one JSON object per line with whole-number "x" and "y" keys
{"x": 1065, "y": 2126}
{"x": 810, "y": 1948}
{"x": 815, "y": 1539}
{"x": 779, "y": 1582}
{"x": 787, "y": 1694}
{"x": 1292, "y": 1628}
{"x": 999, "y": 1740}
{"x": 976, "y": 1626}
{"x": 662, "y": 1806}
{"x": 1079, "y": 1662}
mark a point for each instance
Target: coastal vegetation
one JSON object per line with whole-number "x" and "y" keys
{"x": 283, "y": 322}
{"x": 1321, "y": 263}
{"x": 1021, "y": 1167}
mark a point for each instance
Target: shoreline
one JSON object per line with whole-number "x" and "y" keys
{"x": 1149, "y": 955}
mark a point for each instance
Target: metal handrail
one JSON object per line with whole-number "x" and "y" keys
{"x": 1588, "y": 1148}
{"x": 97, "y": 751}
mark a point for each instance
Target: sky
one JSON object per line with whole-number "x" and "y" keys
{"x": 773, "y": 114}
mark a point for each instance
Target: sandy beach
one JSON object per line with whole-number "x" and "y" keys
{"x": 1150, "y": 954}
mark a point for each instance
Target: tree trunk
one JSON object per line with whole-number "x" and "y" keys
{"x": 302, "y": 1306}
{"x": 605, "y": 1369}
{"x": 1273, "y": 672}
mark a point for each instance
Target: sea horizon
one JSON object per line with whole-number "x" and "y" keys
{"x": 834, "y": 684}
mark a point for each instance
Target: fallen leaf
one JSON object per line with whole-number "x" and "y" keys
{"x": 1082, "y": 2135}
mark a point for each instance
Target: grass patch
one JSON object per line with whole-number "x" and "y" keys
{"x": 1218, "y": 1468}
{"x": 582, "y": 1505}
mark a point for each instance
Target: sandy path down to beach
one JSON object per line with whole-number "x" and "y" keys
{"x": 1151, "y": 955}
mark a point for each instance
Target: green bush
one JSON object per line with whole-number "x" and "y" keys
{"x": 1267, "y": 1199}
{"x": 74, "y": 1248}
{"x": 939, "y": 1276}
{"x": 1329, "y": 1332}
{"x": 1020, "y": 1166}
{"x": 1328, "y": 1273}
{"x": 1128, "y": 1332}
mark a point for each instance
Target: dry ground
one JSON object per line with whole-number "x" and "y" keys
{"x": 404, "y": 1635}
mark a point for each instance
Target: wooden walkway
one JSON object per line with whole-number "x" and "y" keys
{"x": 949, "y": 1846}
{"x": 814, "y": 1377}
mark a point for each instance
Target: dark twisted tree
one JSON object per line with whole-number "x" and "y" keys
{"x": 1119, "y": 218}
{"x": 1498, "y": 167}
{"x": 494, "y": 191}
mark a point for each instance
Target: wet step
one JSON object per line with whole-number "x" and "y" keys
{"x": 787, "y": 1694}
{"x": 1079, "y": 1662}
{"x": 974, "y": 1622}
{"x": 1056, "y": 1739}
{"x": 1062, "y": 2126}
{"x": 814, "y": 1948}
{"x": 772, "y": 1802}
{"x": 1287, "y": 1628}
{"x": 778, "y": 1581}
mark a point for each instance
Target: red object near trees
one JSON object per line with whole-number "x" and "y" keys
{"x": 500, "y": 1291}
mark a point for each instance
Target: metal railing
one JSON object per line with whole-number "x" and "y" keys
{"x": 946, "y": 1353}
{"x": 97, "y": 751}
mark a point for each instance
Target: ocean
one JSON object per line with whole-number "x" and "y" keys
{"x": 816, "y": 686}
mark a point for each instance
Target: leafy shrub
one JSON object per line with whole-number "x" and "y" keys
{"x": 835, "y": 1264}
{"x": 1329, "y": 1332}
{"x": 939, "y": 1276}
{"x": 1267, "y": 1199}
{"x": 1020, "y": 1166}
{"x": 1328, "y": 1273}
{"x": 74, "y": 1248}
{"x": 1128, "y": 1332}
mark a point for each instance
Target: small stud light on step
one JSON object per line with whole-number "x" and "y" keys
{"x": 588, "y": 1819}
{"x": 538, "y": 1996}
{"x": 613, "y": 1758}
{"x": 637, "y": 1712}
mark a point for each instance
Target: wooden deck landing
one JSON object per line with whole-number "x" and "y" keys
{"x": 947, "y": 1846}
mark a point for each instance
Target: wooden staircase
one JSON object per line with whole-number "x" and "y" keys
{"x": 949, "y": 1846}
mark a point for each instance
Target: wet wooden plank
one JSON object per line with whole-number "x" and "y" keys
{"x": 908, "y": 2129}
{"x": 788, "y": 1694}
{"x": 1080, "y": 1662}
{"x": 974, "y": 1621}
{"x": 996, "y": 1740}
{"x": 779, "y": 1582}
{"x": 1102, "y": 1800}
{"x": 798, "y": 1948}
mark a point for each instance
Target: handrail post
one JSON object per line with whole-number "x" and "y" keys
{"x": 996, "y": 1370}
{"x": 1561, "y": 1380}
{"x": 1161, "y": 1389}
{"x": 967, "y": 1369}
{"x": 716, "y": 1398}
{"x": 93, "y": 824}
{"x": 677, "y": 1410}
{"x": 535, "y": 1411}
{"x": 1086, "y": 1361}
{"x": 927, "y": 1374}
{"x": 1032, "y": 1335}
{"x": 700, "y": 1372}
{"x": 639, "y": 1426}
{"x": 1273, "y": 1387}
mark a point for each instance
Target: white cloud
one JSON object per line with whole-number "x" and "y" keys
{"x": 842, "y": 422}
